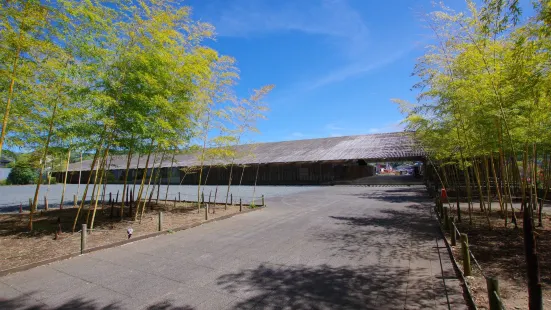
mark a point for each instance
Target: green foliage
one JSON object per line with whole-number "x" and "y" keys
{"x": 484, "y": 83}
{"x": 50, "y": 180}
{"x": 111, "y": 78}
{"x": 22, "y": 174}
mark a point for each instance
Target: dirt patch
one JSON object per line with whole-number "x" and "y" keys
{"x": 500, "y": 253}
{"x": 20, "y": 247}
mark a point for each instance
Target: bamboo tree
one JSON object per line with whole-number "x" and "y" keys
{"x": 169, "y": 178}
{"x": 65, "y": 178}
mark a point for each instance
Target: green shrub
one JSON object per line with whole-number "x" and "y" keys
{"x": 22, "y": 174}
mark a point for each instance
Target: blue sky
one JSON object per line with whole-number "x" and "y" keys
{"x": 336, "y": 64}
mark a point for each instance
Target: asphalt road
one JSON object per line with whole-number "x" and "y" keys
{"x": 328, "y": 248}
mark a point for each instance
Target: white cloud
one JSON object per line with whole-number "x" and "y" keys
{"x": 334, "y": 19}
{"x": 333, "y": 126}
{"x": 389, "y": 127}
{"x": 353, "y": 70}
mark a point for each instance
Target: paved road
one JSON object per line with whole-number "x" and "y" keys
{"x": 330, "y": 248}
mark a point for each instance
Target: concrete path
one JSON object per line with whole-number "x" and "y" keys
{"x": 329, "y": 248}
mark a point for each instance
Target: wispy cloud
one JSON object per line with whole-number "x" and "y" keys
{"x": 334, "y": 19}
{"x": 353, "y": 70}
{"x": 389, "y": 127}
{"x": 340, "y": 24}
{"x": 296, "y": 136}
{"x": 333, "y": 126}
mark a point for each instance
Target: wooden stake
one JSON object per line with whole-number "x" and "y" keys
{"x": 445, "y": 218}
{"x": 83, "y": 239}
{"x": 112, "y": 203}
{"x": 45, "y": 203}
{"x": 160, "y": 220}
{"x": 466, "y": 255}
{"x": 240, "y": 205}
{"x": 493, "y": 289}
{"x": 535, "y": 298}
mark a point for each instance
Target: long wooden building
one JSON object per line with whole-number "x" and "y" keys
{"x": 312, "y": 161}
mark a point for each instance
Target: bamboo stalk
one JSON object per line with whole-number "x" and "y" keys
{"x": 148, "y": 184}
{"x": 65, "y": 179}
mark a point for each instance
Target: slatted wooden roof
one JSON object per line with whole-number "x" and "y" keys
{"x": 373, "y": 147}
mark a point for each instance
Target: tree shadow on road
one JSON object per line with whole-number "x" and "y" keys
{"x": 322, "y": 287}
{"x": 27, "y": 303}
{"x": 402, "y": 195}
{"x": 390, "y": 234}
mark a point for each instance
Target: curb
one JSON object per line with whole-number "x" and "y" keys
{"x": 119, "y": 243}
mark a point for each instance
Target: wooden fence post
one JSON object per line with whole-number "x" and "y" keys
{"x": 263, "y": 200}
{"x": 466, "y": 255}
{"x": 45, "y": 203}
{"x": 445, "y": 218}
{"x": 240, "y": 205}
{"x": 453, "y": 232}
{"x": 112, "y": 202}
{"x": 231, "y": 199}
{"x": 179, "y": 197}
{"x": 535, "y": 297}
{"x": 83, "y": 239}
{"x": 74, "y": 201}
{"x": 493, "y": 293}
{"x": 207, "y": 212}
{"x": 160, "y": 220}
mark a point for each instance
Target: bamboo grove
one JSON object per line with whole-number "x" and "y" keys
{"x": 484, "y": 110}
{"x": 116, "y": 78}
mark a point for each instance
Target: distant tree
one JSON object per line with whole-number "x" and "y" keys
{"x": 22, "y": 173}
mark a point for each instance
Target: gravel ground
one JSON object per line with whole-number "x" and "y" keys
{"x": 12, "y": 196}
